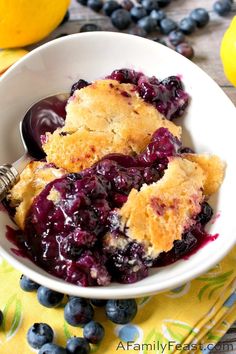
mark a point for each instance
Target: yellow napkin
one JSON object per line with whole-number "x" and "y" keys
{"x": 191, "y": 318}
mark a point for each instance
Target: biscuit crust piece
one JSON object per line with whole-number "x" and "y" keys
{"x": 159, "y": 213}
{"x": 102, "y": 118}
{"x": 32, "y": 181}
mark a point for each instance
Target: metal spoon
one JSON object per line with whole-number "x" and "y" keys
{"x": 44, "y": 116}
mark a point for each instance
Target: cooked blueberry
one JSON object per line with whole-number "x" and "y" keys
{"x": 110, "y": 6}
{"x": 200, "y": 16}
{"x": 77, "y": 345}
{"x": 94, "y": 332}
{"x": 172, "y": 83}
{"x": 27, "y": 284}
{"x": 121, "y": 311}
{"x": 78, "y": 314}
{"x": 82, "y": 2}
{"x": 49, "y": 298}
{"x": 90, "y": 27}
{"x": 65, "y": 18}
{"x": 187, "y": 25}
{"x": 206, "y": 214}
{"x": 121, "y": 19}
{"x": 186, "y": 150}
{"x": 185, "y": 49}
{"x": 98, "y": 302}
{"x": 160, "y": 40}
{"x": 78, "y": 85}
{"x": 222, "y": 7}
{"x": 163, "y": 3}
{"x": 127, "y": 4}
{"x": 51, "y": 348}
{"x": 39, "y": 334}
{"x": 138, "y": 12}
{"x": 148, "y": 24}
{"x": 176, "y": 37}
{"x": 95, "y": 5}
{"x": 1, "y": 317}
{"x": 150, "y": 5}
{"x": 167, "y": 25}
{"x": 158, "y": 15}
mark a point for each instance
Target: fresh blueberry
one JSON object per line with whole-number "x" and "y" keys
{"x": 121, "y": 19}
{"x": 167, "y": 25}
{"x": 77, "y": 313}
{"x": 95, "y": 5}
{"x": 51, "y": 348}
{"x": 148, "y": 24}
{"x": 185, "y": 49}
{"x": 127, "y": 4}
{"x": 200, "y": 16}
{"x": 82, "y": 300}
{"x": 98, "y": 302}
{"x": 94, "y": 332}
{"x": 176, "y": 37}
{"x": 110, "y": 6}
{"x": 62, "y": 35}
{"x": 39, "y": 334}
{"x": 163, "y": 3}
{"x": 121, "y": 311}
{"x": 150, "y": 5}
{"x": 158, "y": 15}
{"x": 222, "y": 7}
{"x": 65, "y": 18}
{"x": 138, "y": 12}
{"x": 90, "y": 27}
{"x": 206, "y": 214}
{"x": 49, "y": 298}
{"x": 160, "y": 40}
{"x": 27, "y": 284}
{"x": 1, "y": 317}
{"x": 77, "y": 345}
{"x": 82, "y": 2}
{"x": 187, "y": 25}
{"x": 78, "y": 86}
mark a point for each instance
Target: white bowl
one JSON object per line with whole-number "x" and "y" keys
{"x": 210, "y": 126}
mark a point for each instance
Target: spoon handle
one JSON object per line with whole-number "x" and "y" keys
{"x": 8, "y": 177}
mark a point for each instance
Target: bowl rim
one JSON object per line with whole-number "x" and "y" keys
{"x": 131, "y": 290}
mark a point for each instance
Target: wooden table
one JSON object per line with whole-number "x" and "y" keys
{"x": 206, "y": 43}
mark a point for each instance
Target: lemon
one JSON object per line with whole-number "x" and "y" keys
{"x": 9, "y": 56}
{"x": 228, "y": 52}
{"x": 24, "y": 22}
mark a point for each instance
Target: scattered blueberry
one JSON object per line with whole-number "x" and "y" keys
{"x": 95, "y": 5}
{"x": 167, "y": 25}
{"x": 163, "y": 3}
{"x": 78, "y": 85}
{"x": 98, "y": 302}
{"x": 160, "y": 40}
{"x": 148, "y": 24}
{"x": 127, "y": 4}
{"x": 150, "y": 5}
{"x": 206, "y": 214}
{"x": 39, "y": 334}
{"x": 27, "y": 284}
{"x": 65, "y": 18}
{"x": 49, "y": 298}
{"x": 62, "y": 35}
{"x": 138, "y": 31}
{"x": 200, "y": 16}
{"x": 82, "y": 2}
{"x": 93, "y": 332}
{"x": 1, "y": 317}
{"x": 187, "y": 25}
{"x": 110, "y": 6}
{"x": 90, "y": 27}
{"x": 158, "y": 15}
{"x": 121, "y": 311}
{"x": 82, "y": 300}
{"x": 77, "y": 345}
{"x": 77, "y": 313}
{"x": 121, "y": 19}
{"x": 176, "y": 37}
{"x": 222, "y": 7}
{"x": 138, "y": 12}
{"x": 51, "y": 348}
{"x": 185, "y": 49}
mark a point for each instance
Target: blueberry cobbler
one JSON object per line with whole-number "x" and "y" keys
{"x": 117, "y": 193}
